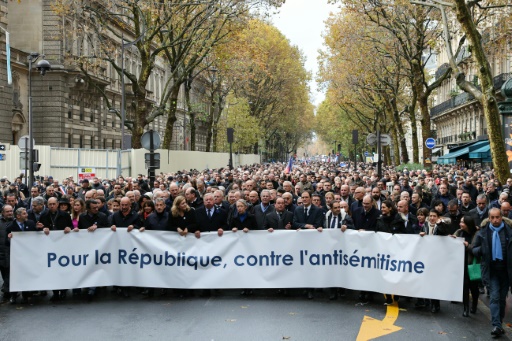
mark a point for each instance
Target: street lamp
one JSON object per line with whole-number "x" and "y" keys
{"x": 42, "y": 66}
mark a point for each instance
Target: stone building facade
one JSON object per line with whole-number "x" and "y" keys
{"x": 68, "y": 109}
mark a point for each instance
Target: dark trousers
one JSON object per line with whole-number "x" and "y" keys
{"x": 498, "y": 287}
{"x": 4, "y": 271}
{"x": 470, "y": 286}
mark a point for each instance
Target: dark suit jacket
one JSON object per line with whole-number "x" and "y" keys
{"x": 476, "y": 216}
{"x": 85, "y": 220}
{"x": 249, "y": 222}
{"x": 355, "y": 205}
{"x": 157, "y": 221}
{"x": 314, "y": 218}
{"x": 218, "y": 220}
{"x": 32, "y": 216}
{"x": 132, "y": 218}
{"x": 13, "y": 226}
{"x": 260, "y": 215}
{"x": 272, "y": 220}
{"x": 366, "y": 221}
{"x": 62, "y": 220}
{"x": 188, "y": 221}
{"x": 224, "y": 206}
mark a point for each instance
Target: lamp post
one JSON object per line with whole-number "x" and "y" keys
{"x": 42, "y": 66}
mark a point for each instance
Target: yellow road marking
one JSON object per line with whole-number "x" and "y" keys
{"x": 372, "y": 328}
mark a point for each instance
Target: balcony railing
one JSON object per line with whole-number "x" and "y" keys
{"x": 463, "y": 98}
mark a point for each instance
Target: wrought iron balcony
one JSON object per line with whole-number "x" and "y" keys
{"x": 464, "y": 97}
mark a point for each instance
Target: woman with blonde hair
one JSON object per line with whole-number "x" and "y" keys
{"x": 182, "y": 218}
{"x": 77, "y": 209}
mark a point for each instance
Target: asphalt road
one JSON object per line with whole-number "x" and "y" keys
{"x": 228, "y": 316}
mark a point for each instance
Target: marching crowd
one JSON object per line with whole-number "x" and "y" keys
{"x": 445, "y": 201}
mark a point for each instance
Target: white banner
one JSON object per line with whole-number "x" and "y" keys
{"x": 408, "y": 265}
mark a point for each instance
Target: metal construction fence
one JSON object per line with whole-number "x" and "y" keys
{"x": 108, "y": 163}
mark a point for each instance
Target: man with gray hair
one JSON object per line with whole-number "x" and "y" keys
{"x": 37, "y": 210}
{"x": 481, "y": 211}
{"x": 20, "y": 224}
{"x": 263, "y": 208}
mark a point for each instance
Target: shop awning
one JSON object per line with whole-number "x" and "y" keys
{"x": 435, "y": 150}
{"x": 452, "y": 157}
{"x": 483, "y": 152}
{"x": 465, "y": 153}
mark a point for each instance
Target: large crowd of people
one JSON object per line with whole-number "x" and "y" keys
{"x": 449, "y": 201}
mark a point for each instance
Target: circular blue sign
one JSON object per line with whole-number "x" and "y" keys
{"x": 366, "y": 153}
{"x": 430, "y": 143}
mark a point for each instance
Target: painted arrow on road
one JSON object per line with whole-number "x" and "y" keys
{"x": 372, "y": 328}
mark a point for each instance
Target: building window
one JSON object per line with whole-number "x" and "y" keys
{"x": 81, "y": 142}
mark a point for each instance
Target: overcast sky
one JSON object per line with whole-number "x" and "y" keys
{"x": 302, "y": 21}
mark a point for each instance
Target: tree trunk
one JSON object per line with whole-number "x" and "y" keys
{"x": 139, "y": 122}
{"x": 426, "y": 129}
{"x": 171, "y": 116}
{"x": 192, "y": 116}
{"x": 209, "y": 126}
{"x": 400, "y": 136}
{"x": 216, "y": 120}
{"x": 414, "y": 131}
{"x": 396, "y": 147}
{"x": 486, "y": 96}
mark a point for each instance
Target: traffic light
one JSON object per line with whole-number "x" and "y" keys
{"x": 37, "y": 166}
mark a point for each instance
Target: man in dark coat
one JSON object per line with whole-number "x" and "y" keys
{"x": 126, "y": 216}
{"x": 91, "y": 220}
{"x": 37, "y": 210}
{"x": 365, "y": 218}
{"x": 55, "y": 220}
{"x": 278, "y": 219}
{"x": 210, "y": 218}
{"x": 455, "y": 215}
{"x": 6, "y": 219}
{"x": 20, "y": 224}
{"x": 493, "y": 246}
{"x": 219, "y": 202}
{"x": 481, "y": 211}
{"x": 307, "y": 216}
{"x": 193, "y": 198}
{"x": 263, "y": 208}
{"x": 157, "y": 220}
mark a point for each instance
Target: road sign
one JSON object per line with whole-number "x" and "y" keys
{"x": 2, "y": 157}
{"x": 371, "y": 139}
{"x": 147, "y": 156}
{"x": 430, "y": 143}
{"x": 2, "y": 147}
{"x": 385, "y": 139}
{"x": 23, "y": 142}
{"x": 145, "y": 140}
{"x": 366, "y": 153}
{"x": 156, "y": 164}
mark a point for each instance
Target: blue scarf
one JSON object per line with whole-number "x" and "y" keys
{"x": 481, "y": 212}
{"x": 242, "y": 217}
{"x": 497, "y": 252}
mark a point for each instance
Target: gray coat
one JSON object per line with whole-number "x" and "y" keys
{"x": 481, "y": 248}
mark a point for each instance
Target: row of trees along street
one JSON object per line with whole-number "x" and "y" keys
{"x": 373, "y": 68}
{"x": 255, "y": 79}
